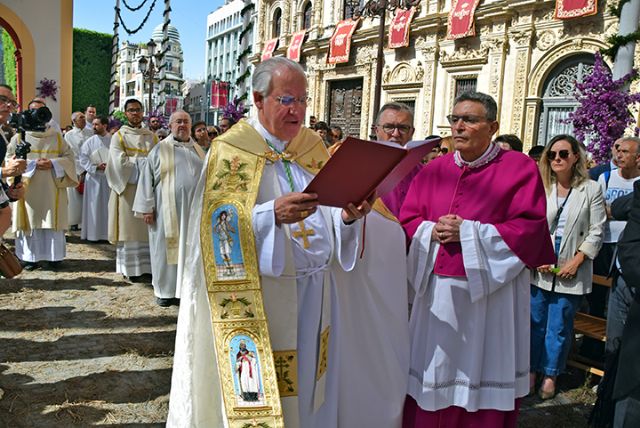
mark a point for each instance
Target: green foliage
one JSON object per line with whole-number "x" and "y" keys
{"x": 9, "y": 60}
{"x": 91, "y": 70}
{"x": 616, "y": 41}
{"x": 616, "y": 10}
{"x": 120, "y": 115}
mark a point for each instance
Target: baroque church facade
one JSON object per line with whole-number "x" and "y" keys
{"x": 521, "y": 55}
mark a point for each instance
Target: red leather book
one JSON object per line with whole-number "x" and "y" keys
{"x": 360, "y": 167}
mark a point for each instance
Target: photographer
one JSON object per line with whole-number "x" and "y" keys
{"x": 11, "y": 167}
{"x": 40, "y": 222}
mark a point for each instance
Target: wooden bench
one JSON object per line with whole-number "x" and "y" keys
{"x": 593, "y": 327}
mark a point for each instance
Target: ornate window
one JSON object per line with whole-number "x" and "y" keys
{"x": 348, "y": 7}
{"x": 277, "y": 23}
{"x": 558, "y": 99}
{"x": 465, "y": 85}
{"x": 307, "y": 14}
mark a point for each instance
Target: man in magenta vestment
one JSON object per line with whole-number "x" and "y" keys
{"x": 477, "y": 220}
{"x": 395, "y": 123}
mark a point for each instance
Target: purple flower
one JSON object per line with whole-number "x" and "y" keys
{"x": 48, "y": 88}
{"x": 603, "y": 113}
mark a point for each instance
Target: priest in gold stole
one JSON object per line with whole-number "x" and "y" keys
{"x": 259, "y": 270}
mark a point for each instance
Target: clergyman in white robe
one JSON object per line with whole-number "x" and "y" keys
{"x": 127, "y": 157}
{"x": 195, "y": 390}
{"x": 40, "y": 219}
{"x": 151, "y": 197}
{"x": 95, "y": 203}
{"x": 374, "y": 327}
{"x": 76, "y": 139}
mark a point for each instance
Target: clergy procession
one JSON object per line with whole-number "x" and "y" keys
{"x": 443, "y": 302}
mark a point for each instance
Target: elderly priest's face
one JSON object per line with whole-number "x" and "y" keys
{"x": 282, "y": 112}
{"x": 181, "y": 126}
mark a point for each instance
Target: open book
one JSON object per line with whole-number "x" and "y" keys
{"x": 359, "y": 167}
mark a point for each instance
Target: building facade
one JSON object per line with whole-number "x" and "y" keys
{"x": 166, "y": 94}
{"x": 224, "y": 45}
{"x": 527, "y": 60}
{"x": 43, "y": 37}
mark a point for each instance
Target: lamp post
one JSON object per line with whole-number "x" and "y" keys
{"x": 148, "y": 70}
{"x": 370, "y": 9}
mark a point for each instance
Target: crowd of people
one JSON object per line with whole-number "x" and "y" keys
{"x": 449, "y": 304}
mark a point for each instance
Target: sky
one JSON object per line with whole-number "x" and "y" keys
{"x": 188, "y": 16}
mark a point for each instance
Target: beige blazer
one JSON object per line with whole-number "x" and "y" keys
{"x": 583, "y": 231}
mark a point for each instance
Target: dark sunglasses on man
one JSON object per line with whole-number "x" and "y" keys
{"x": 563, "y": 154}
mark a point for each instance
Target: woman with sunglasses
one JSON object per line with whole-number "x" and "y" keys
{"x": 576, "y": 216}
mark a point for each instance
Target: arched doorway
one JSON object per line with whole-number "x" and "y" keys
{"x": 16, "y": 48}
{"x": 558, "y": 96}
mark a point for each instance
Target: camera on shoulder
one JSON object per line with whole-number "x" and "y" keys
{"x": 31, "y": 120}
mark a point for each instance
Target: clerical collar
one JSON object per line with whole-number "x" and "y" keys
{"x": 488, "y": 155}
{"x": 275, "y": 142}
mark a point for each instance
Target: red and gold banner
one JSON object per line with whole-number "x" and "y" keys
{"x": 171, "y": 105}
{"x": 215, "y": 94}
{"x": 294, "y": 49}
{"x": 567, "y": 9}
{"x": 399, "y": 28}
{"x": 461, "y": 23}
{"x": 340, "y": 44}
{"x": 269, "y": 48}
{"x": 223, "y": 94}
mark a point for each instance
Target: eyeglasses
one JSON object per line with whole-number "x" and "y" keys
{"x": 562, "y": 154}
{"x": 134, "y": 110}
{"x": 444, "y": 150}
{"x": 466, "y": 119}
{"x": 9, "y": 101}
{"x": 289, "y": 100}
{"x": 390, "y": 127}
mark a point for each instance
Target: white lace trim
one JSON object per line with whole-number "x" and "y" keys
{"x": 488, "y": 155}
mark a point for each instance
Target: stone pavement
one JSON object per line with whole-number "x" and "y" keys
{"x": 82, "y": 347}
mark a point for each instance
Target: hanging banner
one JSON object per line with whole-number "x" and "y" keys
{"x": 567, "y": 9}
{"x": 170, "y": 106}
{"x": 461, "y": 23}
{"x": 223, "y": 94}
{"x": 294, "y": 49}
{"x": 215, "y": 94}
{"x": 269, "y": 48}
{"x": 340, "y": 44}
{"x": 399, "y": 28}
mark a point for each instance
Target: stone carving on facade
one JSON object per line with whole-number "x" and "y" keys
{"x": 364, "y": 55}
{"x": 495, "y": 45}
{"x": 427, "y": 86}
{"x": 419, "y": 72}
{"x": 464, "y": 56}
{"x": 386, "y": 74}
{"x": 430, "y": 53}
{"x": 522, "y": 39}
{"x": 590, "y": 29}
{"x": 495, "y": 75}
{"x": 546, "y": 39}
{"x": 544, "y": 16}
{"x": 519, "y": 91}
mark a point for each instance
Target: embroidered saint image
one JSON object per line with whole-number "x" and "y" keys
{"x": 247, "y": 376}
{"x": 226, "y": 244}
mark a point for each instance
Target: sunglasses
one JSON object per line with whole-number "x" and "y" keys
{"x": 562, "y": 154}
{"x": 213, "y": 134}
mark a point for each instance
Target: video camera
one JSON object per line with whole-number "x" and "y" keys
{"x": 31, "y": 120}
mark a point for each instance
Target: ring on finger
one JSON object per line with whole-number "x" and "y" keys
{"x": 304, "y": 213}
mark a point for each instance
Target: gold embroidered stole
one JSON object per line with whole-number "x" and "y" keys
{"x": 253, "y": 377}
